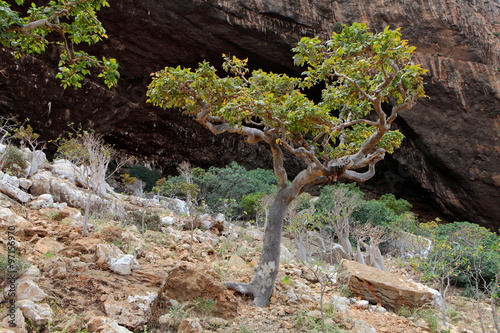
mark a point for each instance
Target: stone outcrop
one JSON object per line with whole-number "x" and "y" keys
{"x": 450, "y": 155}
{"x": 63, "y": 190}
{"x": 115, "y": 259}
{"x": 384, "y": 288}
{"x": 187, "y": 283}
{"x": 39, "y": 313}
{"x": 135, "y": 311}
{"x": 11, "y": 186}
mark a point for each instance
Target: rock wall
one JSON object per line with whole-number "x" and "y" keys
{"x": 452, "y": 146}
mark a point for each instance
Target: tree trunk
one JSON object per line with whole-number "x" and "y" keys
{"x": 86, "y": 215}
{"x": 301, "y": 249}
{"x": 494, "y": 312}
{"x": 262, "y": 284}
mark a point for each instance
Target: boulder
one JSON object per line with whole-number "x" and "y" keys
{"x": 180, "y": 207}
{"x": 190, "y": 325}
{"x": 113, "y": 328}
{"x": 361, "y": 326}
{"x": 16, "y": 318}
{"x": 411, "y": 245}
{"x": 135, "y": 311}
{"x": 29, "y": 290}
{"x": 124, "y": 264}
{"x": 186, "y": 283}
{"x": 39, "y": 313}
{"x": 115, "y": 259}
{"x": 10, "y": 219}
{"x": 25, "y": 184}
{"x": 168, "y": 220}
{"x": 104, "y": 324}
{"x": 48, "y": 245}
{"x": 9, "y": 185}
{"x": 38, "y": 161}
{"x": 43, "y": 201}
{"x": 62, "y": 168}
{"x": 381, "y": 287}
{"x": 107, "y": 253}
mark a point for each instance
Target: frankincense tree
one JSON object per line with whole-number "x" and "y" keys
{"x": 64, "y": 23}
{"x": 368, "y": 79}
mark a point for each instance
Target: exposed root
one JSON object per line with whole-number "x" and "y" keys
{"x": 242, "y": 288}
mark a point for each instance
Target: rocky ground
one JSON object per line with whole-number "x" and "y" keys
{"x": 119, "y": 280}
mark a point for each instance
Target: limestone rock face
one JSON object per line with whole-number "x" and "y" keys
{"x": 45, "y": 182}
{"x": 381, "y": 287}
{"x": 450, "y": 154}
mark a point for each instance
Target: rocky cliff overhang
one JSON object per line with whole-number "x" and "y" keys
{"x": 452, "y": 146}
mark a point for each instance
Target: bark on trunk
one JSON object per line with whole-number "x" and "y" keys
{"x": 262, "y": 284}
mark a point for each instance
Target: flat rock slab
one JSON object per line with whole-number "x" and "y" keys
{"x": 381, "y": 287}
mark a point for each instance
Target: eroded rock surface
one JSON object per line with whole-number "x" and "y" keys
{"x": 189, "y": 283}
{"x": 452, "y": 146}
{"x": 381, "y": 287}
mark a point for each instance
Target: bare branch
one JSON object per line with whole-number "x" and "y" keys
{"x": 354, "y": 122}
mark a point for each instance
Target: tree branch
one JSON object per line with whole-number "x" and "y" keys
{"x": 371, "y": 160}
{"x": 360, "y": 177}
{"x": 361, "y": 90}
{"x": 278, "y": 162}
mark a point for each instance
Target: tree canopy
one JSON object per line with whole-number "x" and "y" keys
{"x": 66, "y": 24}
{"x": 367, "y": 80}
{"x": 362, "y": 71}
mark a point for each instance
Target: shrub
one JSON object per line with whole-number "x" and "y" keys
{"x": 376, "y": 212}
{"x": 399, "y": 206}
{"x": 326, "y": 203}
{"x": 232, "y": 182}
{"x": 218, "y": 187}
{"x": 13, "y": 266}
{"x": 250, "y": 203}
{"x": 13, "y": 161}
{"x": 473, "y": 250}
{"x": 144, "y": 220}
{"x": 481, "y": 250}
{"x": 148, "y": 176}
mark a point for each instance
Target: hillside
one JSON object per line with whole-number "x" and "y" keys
{"x": 169, "y": 279}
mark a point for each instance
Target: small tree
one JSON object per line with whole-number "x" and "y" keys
{"x": 26, "y": 31}
{"x": 441, "y": 266}
{"x": 91, "y": 157}
{"x": 343, "y": 136}
{"x": 191, "y": 191}
{"x": 334, "y": 208}
{"x": 370, "y": 237}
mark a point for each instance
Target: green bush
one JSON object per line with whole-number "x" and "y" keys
{"x": 13, "y": 266}
{"x": 481, "y": 249}
{"x": 399, "y": 206}
{"x": 376, "y": 212}
{"x": 232, "y": 182}
{"x": 473, "y": 250}
{"x": 326, "y": 203}
{"x": 250, "y": 203}
{"x": 219, "y": 186}
{"x": 148, "y": 176}
{"x": 12, "y": 161}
